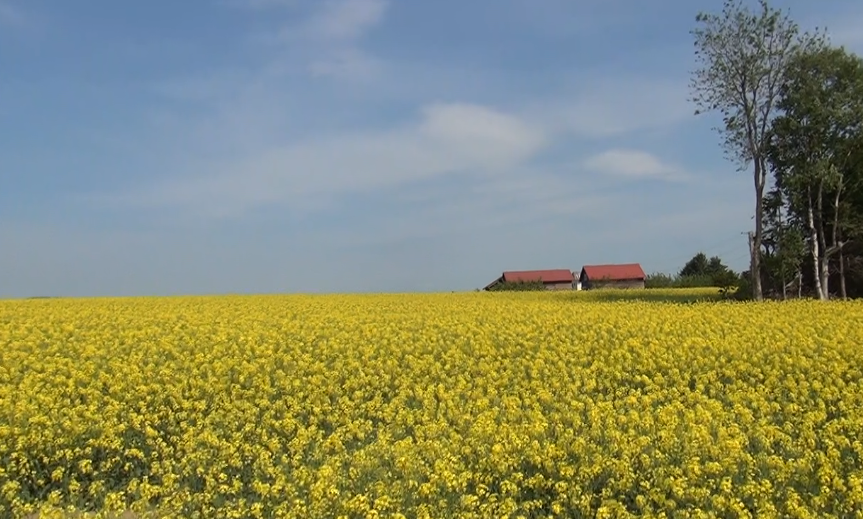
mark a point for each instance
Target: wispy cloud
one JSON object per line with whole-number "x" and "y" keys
{"x": 344, "y": 20}
{"x": 331, "y": 36}
{"x": 306, "y": 171}
{"x": 634, "y": 164}
{"x": 320, "y": 136}
{"x": 447, "y": 139}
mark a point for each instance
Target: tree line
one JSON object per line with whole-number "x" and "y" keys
{"x": 792, "y": 115}
{"x": 700, "y": 271}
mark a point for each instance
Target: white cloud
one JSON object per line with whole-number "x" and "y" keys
{"x": 243, "y": 160}
{"x": 481, "y": 136}
{"x": 252, "y": 149}
{"x": 633, "y": 164}
{"x": 448, "y": 139}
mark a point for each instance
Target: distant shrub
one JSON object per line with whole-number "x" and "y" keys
{"x": 724, "y": 280}
{"x": 660, "y": 280}
{"x": 744, "y": 290}
{"x": 518, "y": 286}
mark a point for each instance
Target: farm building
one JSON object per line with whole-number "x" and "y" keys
{"x": 557, "y": 279}
{"x": 629, "y": 275}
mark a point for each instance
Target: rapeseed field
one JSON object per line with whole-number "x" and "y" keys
{"x": 430, "y": 406}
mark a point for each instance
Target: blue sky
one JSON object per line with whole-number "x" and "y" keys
{"x": 257, "y": 146}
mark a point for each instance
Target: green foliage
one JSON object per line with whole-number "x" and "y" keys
{"x": 723, "y": 280}
{"x": 655, "y": 295}
{"x": 518, "y": 286}
{"x": 700, "y": 271}
{"x": 742, "y": 57}
{"x": 822, "y": 104}
{"x": 743, "y": 291}
{"x": 815, "y": 160}
{"x": 659, "y": 280}
{"x": 662, "y": 280}
{"x": 701, "y": 267}
{"x": 728, "y": 283}
{"x": 696, "y": 266}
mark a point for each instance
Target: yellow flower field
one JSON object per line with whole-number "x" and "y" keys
{"x": 425, "y": 406}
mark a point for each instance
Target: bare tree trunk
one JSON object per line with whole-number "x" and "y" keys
{"x": 824, "y": 271}
{"x": 835, "y": 231}
{"x": 814, "y": 245}
{"x": 784, "y": 287}
{"x": 755, "y": 247}
{"x": 782, "y": 252}
{"x": 751, "y": 239}
{"x": 800, "y": 281}
{"x": 842, "y": 290}
{"x": 837, "y": 244}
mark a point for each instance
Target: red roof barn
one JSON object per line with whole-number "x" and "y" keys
{"x": 555, "y": 279}
{"x": 628, "y": 275}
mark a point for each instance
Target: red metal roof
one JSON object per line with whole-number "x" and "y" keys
{"x": 614, "y": 272}
{"x": 547, "y": 276}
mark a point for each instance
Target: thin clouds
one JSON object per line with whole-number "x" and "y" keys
{"x": 344, "y": 20}
{"x": 270, "y": 164}
{"x": 332, "y": 34}
{"x": 634, "y": 164}
{"x": 307, "y": 174}
{"x": 448, "y": 139}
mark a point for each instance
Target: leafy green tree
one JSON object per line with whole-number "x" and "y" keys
{"x": 815, "y": 145}
{"x": 711, "y": 271}
{"x": 742, "y": 57}
{"x": 715, "y": 267}
{"x": 697, "y": 266}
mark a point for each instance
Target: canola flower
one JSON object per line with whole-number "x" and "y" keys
{"x": 430, "y": 406}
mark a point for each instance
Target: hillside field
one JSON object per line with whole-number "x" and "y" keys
{"x": 467, "y": 405}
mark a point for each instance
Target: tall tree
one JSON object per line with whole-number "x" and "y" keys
{"x": 813, "y": 152}
{"x": 711, "y": 270}
{"x": 697, "y": 266}
{"x": 742, "y": 57}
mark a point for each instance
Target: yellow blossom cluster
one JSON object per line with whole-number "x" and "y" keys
{"x": 430, "y": 406}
